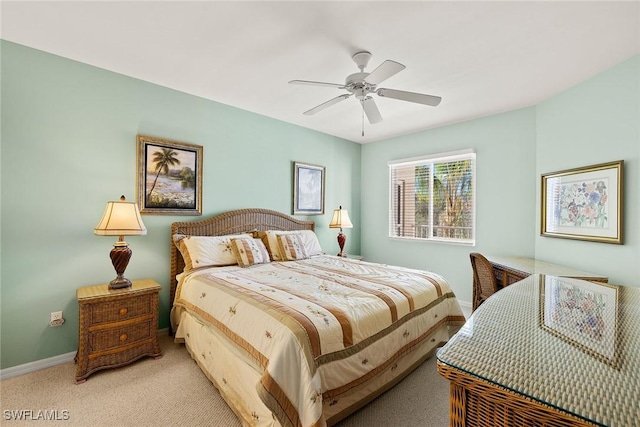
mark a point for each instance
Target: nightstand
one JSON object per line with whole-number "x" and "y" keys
{"x": 356, "y": 257}
{"x": 116, "y": 327}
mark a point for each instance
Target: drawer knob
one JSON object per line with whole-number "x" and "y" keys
{"x": 123, "y": 337}
{"x": 123, "y": 311}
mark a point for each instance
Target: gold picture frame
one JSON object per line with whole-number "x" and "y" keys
{"x": 584, "y": 203}
{"x": 169, "y": 178}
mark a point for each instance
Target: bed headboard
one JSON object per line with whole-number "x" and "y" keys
{"x": 232, "y": 222}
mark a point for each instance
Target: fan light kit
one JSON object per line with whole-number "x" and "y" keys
{"x": 363, "y": 84}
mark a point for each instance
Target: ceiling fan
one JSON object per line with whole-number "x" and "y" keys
{"x": 363, "y": 84}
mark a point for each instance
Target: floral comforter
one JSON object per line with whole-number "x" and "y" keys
{"x": 321, "y": 328}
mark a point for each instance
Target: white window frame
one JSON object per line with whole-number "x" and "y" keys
{"x": 468, "y": 154}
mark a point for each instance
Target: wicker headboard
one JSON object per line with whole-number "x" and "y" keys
{"x": 232, "y": 222}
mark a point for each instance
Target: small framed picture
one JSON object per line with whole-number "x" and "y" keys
{"x": 169, "y": 177}
{"x": 308, "y": 189}
{"x": 584, "y": 203}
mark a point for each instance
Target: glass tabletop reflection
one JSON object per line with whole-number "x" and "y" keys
{"x": 568, "y": 343}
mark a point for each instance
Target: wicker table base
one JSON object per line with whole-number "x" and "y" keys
{"x": 475, "y": 402}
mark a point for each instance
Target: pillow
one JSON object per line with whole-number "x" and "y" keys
{"x": 309, "y": 241}
{"x": 177, "y": 237}
{"x": 291, "y": 247}
{"x": 249, "y": 252}
{"x": 270, "y": 240}
{"x": 207, "y": 251}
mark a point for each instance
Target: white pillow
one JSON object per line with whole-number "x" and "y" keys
{"x": 308, "y": 238}
{"x": 310, "y": 242}
{"x": 207, "y": 251}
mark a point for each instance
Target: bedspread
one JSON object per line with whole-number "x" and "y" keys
{"x": 319, "y": 327}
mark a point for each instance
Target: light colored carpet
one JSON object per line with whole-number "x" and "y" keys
{"x": 172, "y": 391}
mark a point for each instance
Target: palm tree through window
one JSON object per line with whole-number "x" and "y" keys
{"x": 436, "y": 199}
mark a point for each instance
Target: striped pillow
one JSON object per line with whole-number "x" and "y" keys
{"x": 249, "y": 252}
{"x": 291, "y": 247}
{"x": 207, "y": 251}
{"x": 270, "y": 240}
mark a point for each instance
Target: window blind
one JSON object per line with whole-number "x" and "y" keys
{"x": 433, "y": 197}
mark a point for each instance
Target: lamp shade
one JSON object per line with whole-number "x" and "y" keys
{"x": 340, "y": 219}
{"x": 121, "y": 218}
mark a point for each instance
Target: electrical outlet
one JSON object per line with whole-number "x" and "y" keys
{"x": 56, "y": 319}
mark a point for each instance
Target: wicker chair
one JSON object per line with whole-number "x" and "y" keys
{"x": 484, "y": 279}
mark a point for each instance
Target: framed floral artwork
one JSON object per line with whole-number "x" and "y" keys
{"x": 584, "y": 203}
{"x": 169, "y": 177}
{"x": 308, "y": 189}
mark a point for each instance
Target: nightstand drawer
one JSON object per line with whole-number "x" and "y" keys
{"x": 117, "y": 337}
{"x": 121, "y": 309}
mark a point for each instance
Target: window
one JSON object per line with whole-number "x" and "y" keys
{"x": 433, "y": 197}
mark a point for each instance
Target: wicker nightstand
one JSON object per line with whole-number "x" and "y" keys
{"x": 116, "y": 327}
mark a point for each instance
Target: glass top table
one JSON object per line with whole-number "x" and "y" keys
{"x": 528, "y": 266}
{"x": 567, "y": 346}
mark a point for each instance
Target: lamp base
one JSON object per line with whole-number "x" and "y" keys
{"x": 119, "y": 283}
{"x": 342, "y": 239}
{"x": 120, "y": 255}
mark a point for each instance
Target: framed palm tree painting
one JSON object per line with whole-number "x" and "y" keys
{"x": 169, "y": 177}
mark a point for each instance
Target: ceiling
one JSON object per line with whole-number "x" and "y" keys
{"x": 482, "y": 58}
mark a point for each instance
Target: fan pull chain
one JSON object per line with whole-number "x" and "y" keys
{"x": 362, "y": 105}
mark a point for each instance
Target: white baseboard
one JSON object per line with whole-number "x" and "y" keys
{"x": 26, "y": 368}
{"x": 16, "y": 371}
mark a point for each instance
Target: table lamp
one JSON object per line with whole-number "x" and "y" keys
{"x": 341, "y": 220}
{"x": 120, "y": 218}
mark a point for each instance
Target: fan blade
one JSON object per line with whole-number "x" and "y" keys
{"x": 310, "y": 83}
{"x": 371, "y": 110}
{"x": 402, "y": 95}
{"x": 327, "y": 104}
{"x": 385, "y": 70}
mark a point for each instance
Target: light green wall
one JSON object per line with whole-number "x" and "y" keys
{"x": 68, "y": 146}
{"x": 595, "y": 122}
{"x": 505, "y": 177}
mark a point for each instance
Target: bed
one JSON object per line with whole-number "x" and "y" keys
{"x": 292, "y": 336}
